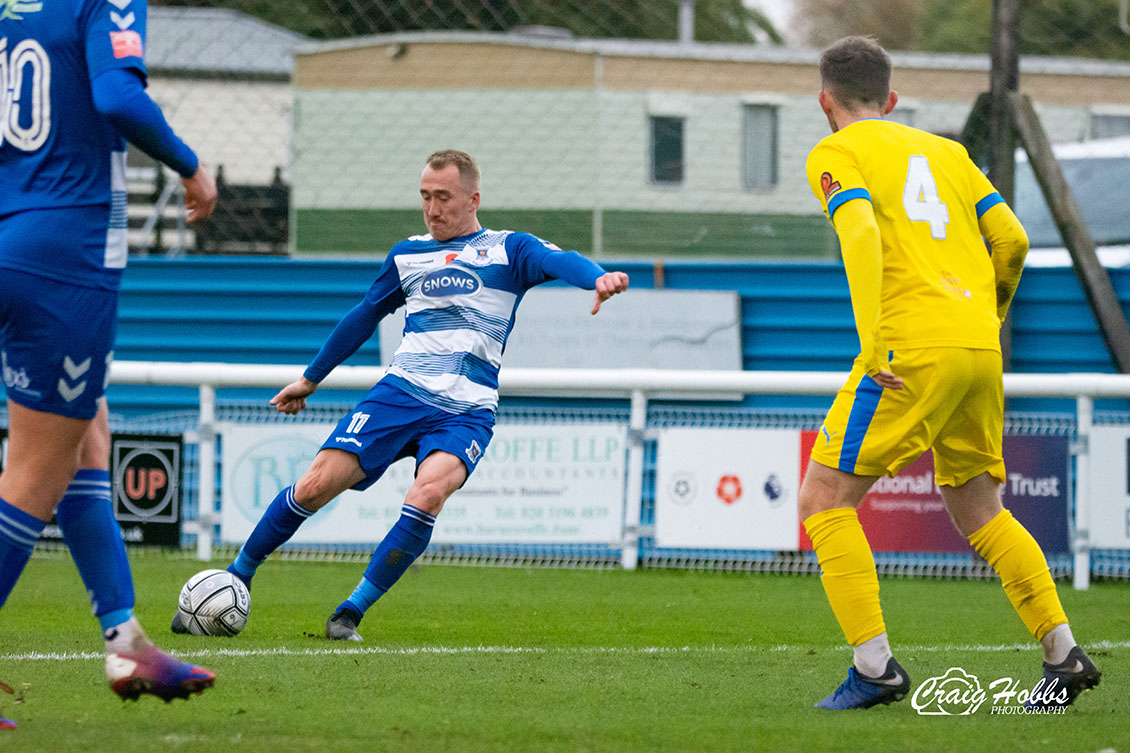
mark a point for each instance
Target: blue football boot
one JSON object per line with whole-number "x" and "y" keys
{"x": 859, "y": 691}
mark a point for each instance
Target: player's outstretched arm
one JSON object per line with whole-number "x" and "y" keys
{"x": 608, "y": 285}
{"x": 571, "y": 267}
{"x": 292, "y": 398}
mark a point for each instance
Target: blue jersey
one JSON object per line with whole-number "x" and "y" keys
{"x": 56, "y": 150}
{"x": 461, "y": 296}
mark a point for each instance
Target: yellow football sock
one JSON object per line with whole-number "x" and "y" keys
{"x": 849, "y": 578}
{"x": 1016, "y": 557}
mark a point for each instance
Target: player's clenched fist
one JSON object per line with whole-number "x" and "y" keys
{"x": 292, "y": 398}
{"x": 608, "y": 285}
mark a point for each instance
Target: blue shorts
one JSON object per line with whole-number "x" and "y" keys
{"x": 389, "y": 424}
{"x": 56, "y": 343}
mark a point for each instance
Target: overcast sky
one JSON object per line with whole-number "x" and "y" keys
{"x": 779, "y": 12}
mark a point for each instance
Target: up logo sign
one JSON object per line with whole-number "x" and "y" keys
{"x": 146, "y": 475}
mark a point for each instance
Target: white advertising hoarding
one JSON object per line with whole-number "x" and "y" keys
{"x": 536, "y": 483}
{"x": 727, "y": 488}
{"x": 1110, "y": 487}
{"x": 662, "y": 329}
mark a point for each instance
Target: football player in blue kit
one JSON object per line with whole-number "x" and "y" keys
{"x": 72, "y": 88}
{"x": 461, "y": 285}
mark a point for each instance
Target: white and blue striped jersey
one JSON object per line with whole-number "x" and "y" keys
{"x": 461, "y": 297}
{"x": 56, "y": 150}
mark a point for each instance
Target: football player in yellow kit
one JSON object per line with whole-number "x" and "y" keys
{"x": 911, "y": 211}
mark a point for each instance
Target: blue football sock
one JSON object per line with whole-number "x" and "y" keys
{"x": 278, "y": 524}
{"x": 18, "y": 533}
{"x": 397, "y": 551}
{"x": 86, "y": 518}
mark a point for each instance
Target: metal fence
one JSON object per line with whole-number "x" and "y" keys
{"x": 636, "y": 543}
{"x": 620, "y": 127}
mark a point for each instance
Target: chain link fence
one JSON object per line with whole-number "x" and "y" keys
{"x": 658, "y": 128}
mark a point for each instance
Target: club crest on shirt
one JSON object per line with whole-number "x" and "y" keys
{"x": 483, "y": 256}
{"x": 449, "y": 281}
{"x": 829, "y": 185}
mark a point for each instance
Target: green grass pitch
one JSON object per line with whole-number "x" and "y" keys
{"x": 493, "y": 659}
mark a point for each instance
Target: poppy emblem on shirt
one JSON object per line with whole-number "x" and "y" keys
{"x": 448, "y": 281}
{"x": 126, "y": 43}
{"x": 829, "y": 185}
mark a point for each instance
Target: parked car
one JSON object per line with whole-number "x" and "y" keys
{"x": 1099, "y": 175}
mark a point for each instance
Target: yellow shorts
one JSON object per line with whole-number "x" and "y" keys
{"x": 952, "y": 401}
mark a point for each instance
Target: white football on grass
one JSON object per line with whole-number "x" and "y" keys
{"x": 214, "y": 602}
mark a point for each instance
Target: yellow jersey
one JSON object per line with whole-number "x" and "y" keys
{"x": 937, "y": 286}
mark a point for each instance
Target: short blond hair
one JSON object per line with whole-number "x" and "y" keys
{"x": 468, "y": 168}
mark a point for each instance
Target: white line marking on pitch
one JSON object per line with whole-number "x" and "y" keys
{"x": 461, "y": 650}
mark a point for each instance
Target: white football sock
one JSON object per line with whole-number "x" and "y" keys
{"x": 1057, "y": 643}
{"x": 872, "y": 655}
{"x": 126, "y": 638}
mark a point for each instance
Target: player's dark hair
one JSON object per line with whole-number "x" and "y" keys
{"x": 468, "y": 168}
{"x": 856, "y": 71}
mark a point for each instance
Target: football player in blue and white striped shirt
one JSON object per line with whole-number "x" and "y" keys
{"x": 461, "y": 285}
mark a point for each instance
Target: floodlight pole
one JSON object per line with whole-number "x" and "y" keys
{"x": 1010, "y": 114}
{"x": 1004, "y": 78}
{"x": 686, "y": 21}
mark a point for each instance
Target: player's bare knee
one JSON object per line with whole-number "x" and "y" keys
{"x": 973, "y": 505}
{"x": 807, "y": 505}
{"x": 36, "y": 488}
{"x": 315, "y": 489}
{"x": 814, "y": 497}
{"x": 429, "y": 496}
{"x": 812, "y": 502}
{"x": 331, "y": 473}
{"x": 39, "y": 501}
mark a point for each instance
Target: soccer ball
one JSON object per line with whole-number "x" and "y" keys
{"x": 214, "y": 602}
